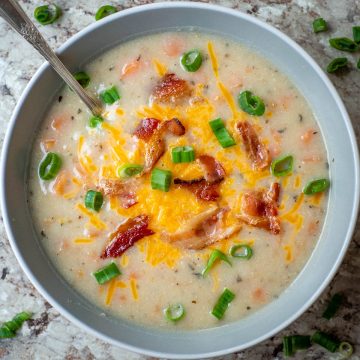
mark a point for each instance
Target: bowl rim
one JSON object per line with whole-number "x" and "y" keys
{"x": 228, "y": 11}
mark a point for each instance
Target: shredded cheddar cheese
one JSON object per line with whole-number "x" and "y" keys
{"x": 93, "y": 218}
{"x": 82, "y": 241}
{"x": 133, "y": 287}
{"x": 159, "y": 67}
{"x": 213, "y": 59}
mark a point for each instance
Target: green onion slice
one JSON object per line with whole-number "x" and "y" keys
{"x": 343, "y": 44}
{"x": 215, "y": 255}
{"x": 223, "y": 303}
{"x": 95, "y": 121}
{"x": 174, "y": 312}
{"x": 161, "y": 179}
{"x": 241, "y": 251}
{"x": 94, "y": 200}
{"x": 221, "y": 133}
{"x": 287, "y": 346}
{"x": 9, "y": 328}
{"x": 109, "y": 96}
{"x": 295, "y": 342}
{"x": 49, "y": 166}
{"x": 356, "y": 34}
{"x": 104, "y": 11}
{"x": 345, "y": 349}
{"x": 251, "y": 103}
{"x": 182, "y": 154}
{"x": 191, "y": 61}
{"x": 326, "y": 341}
{"x": 358, "y": 64}
{"x": 129, "y": 170}
{"x": 82, "y": 78}
{"x": 282, "y": 166}
{"x": 333, "y": 306}
{"x": 106, "y": 273}
{"x": 319, "y": 25}
{"x": 316, "y": 186}
{"x": 47, "y": 14}
{"x": 337, "y": 64}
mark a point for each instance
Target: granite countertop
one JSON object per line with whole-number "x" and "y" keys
{"x": 49, "y": 335}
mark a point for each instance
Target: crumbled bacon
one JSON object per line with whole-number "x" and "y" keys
{"x": 213, "y": 170}
{"x": 201, "y": 188}
{"x": 259, "y": 208}
{"x": 172, "y": 89}
{"x": 126, "y": 235}
{"x": 203, "y": 230}
{"x": 155, "y": 145}
{"x": 256, "y": 151}
{"x": 124, "y": 190}
{"x": 146, "y": 128}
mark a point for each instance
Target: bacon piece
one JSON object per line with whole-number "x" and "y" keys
{"x": 259, "y": 208}
{"x": 155, "y": 146}
{"x": 126, "y": 235}
{"x": 146, "y": 128}
{"x": 172, "y": 89}
{"x": 124, "y": 190}
{"x": 203, "y": 230}
{"x": 214, "y": 172}
{"x": 256, "y": 151}
{"x": 201, "y": 188}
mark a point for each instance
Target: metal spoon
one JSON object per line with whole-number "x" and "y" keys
{"x": 11, "y": 11}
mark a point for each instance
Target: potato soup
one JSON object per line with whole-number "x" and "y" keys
{"x": 199, "y": 194}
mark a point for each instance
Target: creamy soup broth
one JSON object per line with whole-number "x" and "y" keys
{"x": 156, "y": 273}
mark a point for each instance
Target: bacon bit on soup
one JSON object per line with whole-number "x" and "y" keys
{"x": 131, "y": 67}
{"x": 155, "y": 143}
{"x": 256, "y": 151}
{"x": 214, "y": 172}
{"x": 203, "y": 230}
{"x": 146, "y": 128}
{"x": 47, "y": 144}
{"x": 126, "y": 235}
{"x": 201, "y": 188}
{"x": 259, "y": 208}
{"x": 173, "y": 46}
{"x": 172, "y": 89}
{"x": 124, "y": 190}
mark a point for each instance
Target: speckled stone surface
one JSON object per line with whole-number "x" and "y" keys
{"x": 49, "y": 335}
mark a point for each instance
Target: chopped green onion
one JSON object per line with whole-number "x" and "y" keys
{"x": 174, "y": 312}
{"x": 356, "y": 34}
{"x": 215, "y": 255}
{"x": 333, "y": 306}
{"x": 295, "y": 342}
{"x": 343, "y": 44}
{"x": 191, "y": 61}
{"x": 182, "y": 154}
{"x": 129, "y": 170}
{"x": 95, "y": 121}
{"x": 221, "y": 133}
{"x": 345, "y": 349}
{"x": 251, "y": 104}
{"x": 241, "y": 251}
{"x": 47, "y": 14}
{"x": 326, "y": 341}
{"x": 358, "y": 64}
{"x": 49, "y": 166}
{"x": 106, "y": 273}
{"x": 161, "y": 179}
{"x": 316, "y": 186}
{"x": 287, "y": 346}
{"x": 104, "y": 11}
{"x": 223, "y": 303}
{"x": 94, "y": 200}
{"x": 82, "y": 78}
{"x": 319, "y": 25}
{"x": 282, "y": 166}
{"x": 337, "y": 64}
{"x": 109, "y": 96}
{"x": 9, "y": 328}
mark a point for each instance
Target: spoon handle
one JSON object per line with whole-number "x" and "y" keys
{"x": 11, "y": 11}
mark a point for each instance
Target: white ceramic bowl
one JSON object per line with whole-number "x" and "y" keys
{"x": 344, "y": 173}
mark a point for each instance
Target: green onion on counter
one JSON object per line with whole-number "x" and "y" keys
{"x": 47, "y": 14}
{"x": 104, "y": 11}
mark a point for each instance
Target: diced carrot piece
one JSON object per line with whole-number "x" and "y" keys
{"x": 307, "y": 136}
{"x": 61, "y": 182}
{"x": 311, "y": 159}
{"x": 275, "y": 150}
{"x": 259, "y": 294}
{"x": 58, "y": 122}
{"x": 173, "y": 46}
{"x": 47, "y": 144}
{"x": 131, "y": 67}
{"x": 313, "y": 227}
